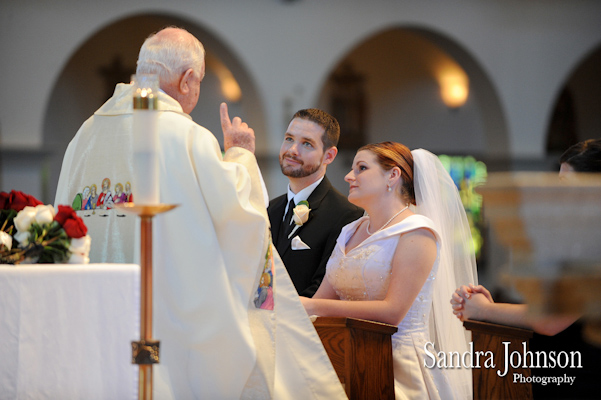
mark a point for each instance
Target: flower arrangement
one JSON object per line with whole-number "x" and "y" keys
{"x": 300, "y": 215}
{"x": 31, "y": 232}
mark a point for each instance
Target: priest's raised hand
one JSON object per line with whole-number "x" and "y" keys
{"x": 235, "y": 132}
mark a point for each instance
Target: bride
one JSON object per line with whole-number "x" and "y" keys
{"x": 400, "y": 263}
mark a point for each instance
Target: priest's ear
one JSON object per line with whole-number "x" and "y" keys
{"x": 185, "y": 81}
{"x": 329, "y": 155}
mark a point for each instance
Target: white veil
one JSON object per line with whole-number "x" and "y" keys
{"x": 437, "y": 198}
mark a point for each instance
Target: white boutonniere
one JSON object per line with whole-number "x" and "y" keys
{"x": 300, "y": 215}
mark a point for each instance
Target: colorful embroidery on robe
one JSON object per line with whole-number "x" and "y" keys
{"x": 89, "y": 199}
{"x": 264, "y": 295}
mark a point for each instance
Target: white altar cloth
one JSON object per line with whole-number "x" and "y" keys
{"x": 66, "y": 331}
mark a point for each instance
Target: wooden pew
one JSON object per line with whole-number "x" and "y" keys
{"x": 361, "y": 353}
{"x": 490, "y": 337}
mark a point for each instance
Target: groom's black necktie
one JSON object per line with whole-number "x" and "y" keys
{"x": 286, "y": 227}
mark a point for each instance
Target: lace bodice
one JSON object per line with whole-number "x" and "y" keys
{"x": 364, "y": 273}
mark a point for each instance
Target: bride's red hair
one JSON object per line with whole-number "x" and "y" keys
{"x": 393, "y": 154}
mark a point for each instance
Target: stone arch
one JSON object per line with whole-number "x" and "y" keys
{"x": 399, "y": 66}
{"x": 108, "y": 56}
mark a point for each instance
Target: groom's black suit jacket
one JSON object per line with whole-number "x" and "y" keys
{"x": 330, "y": 211}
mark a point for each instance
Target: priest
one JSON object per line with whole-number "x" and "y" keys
{"x": 212, "y": 255}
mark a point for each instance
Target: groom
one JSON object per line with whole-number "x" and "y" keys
{"x": 306, "y": 242}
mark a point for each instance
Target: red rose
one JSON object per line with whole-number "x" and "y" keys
{"x": 64, "y": 213}
{"x": 71, "y": 223}
{"x": 75, "y": 228}
{"x": 17, "y": 200}
{"x": 4, "y": 200}
{"x": 32, "y": 201}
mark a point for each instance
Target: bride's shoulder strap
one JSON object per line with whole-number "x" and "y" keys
{"x": 414, "y": 222}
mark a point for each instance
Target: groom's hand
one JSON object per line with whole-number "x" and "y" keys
{"x": 235, "y": 132}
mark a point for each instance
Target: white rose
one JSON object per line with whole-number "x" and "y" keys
{"x": 24, "y": 219}
{"x": 78, "y": 259}
{"x": 44, "y": 214}
{"x": 301, "y": 214}
{"x": 22, "y": 238}
{"x": 6, "y": 240}
{"x": 80, "y": 250}
{"x": 81, "y": 245}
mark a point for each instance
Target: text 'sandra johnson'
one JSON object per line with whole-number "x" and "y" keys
{"x": 513, "y": 359}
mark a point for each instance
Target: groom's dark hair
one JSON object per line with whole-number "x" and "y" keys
{"x": 329, "y": 124}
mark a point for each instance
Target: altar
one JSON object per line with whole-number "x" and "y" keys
{"x": 66, "y": 331}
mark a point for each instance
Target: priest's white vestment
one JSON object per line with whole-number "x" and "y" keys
{"x": 209, "y": 259}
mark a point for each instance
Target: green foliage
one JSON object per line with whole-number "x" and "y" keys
{"x": 49, "y": 242}
{"x": 6, "y": 220}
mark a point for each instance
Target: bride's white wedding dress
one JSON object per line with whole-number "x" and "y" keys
{"x": 364, "y": 274}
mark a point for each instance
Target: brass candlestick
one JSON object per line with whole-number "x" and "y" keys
{"x": 145, "y": 352}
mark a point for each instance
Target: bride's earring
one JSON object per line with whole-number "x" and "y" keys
{"x": 389, "y": 188}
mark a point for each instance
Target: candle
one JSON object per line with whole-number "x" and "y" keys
{"x": 145, "y": 101}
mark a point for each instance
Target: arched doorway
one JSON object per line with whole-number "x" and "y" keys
{"x": 576, "y": 115}
{"x": 109, "y": 56}
{"x": 400, "y": 72}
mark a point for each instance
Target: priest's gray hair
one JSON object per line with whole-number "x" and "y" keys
{"x": 169, "y": 53}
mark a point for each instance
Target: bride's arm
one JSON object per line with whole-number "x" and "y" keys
{"x": 325, "y": 290}
{"x": 412, "y": 262}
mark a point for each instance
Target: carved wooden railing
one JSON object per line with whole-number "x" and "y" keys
{"x": 488, "y": 384}
{"x": 361, "y": 353}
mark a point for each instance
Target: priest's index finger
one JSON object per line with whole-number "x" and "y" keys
{"x": 226, "y": 123}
